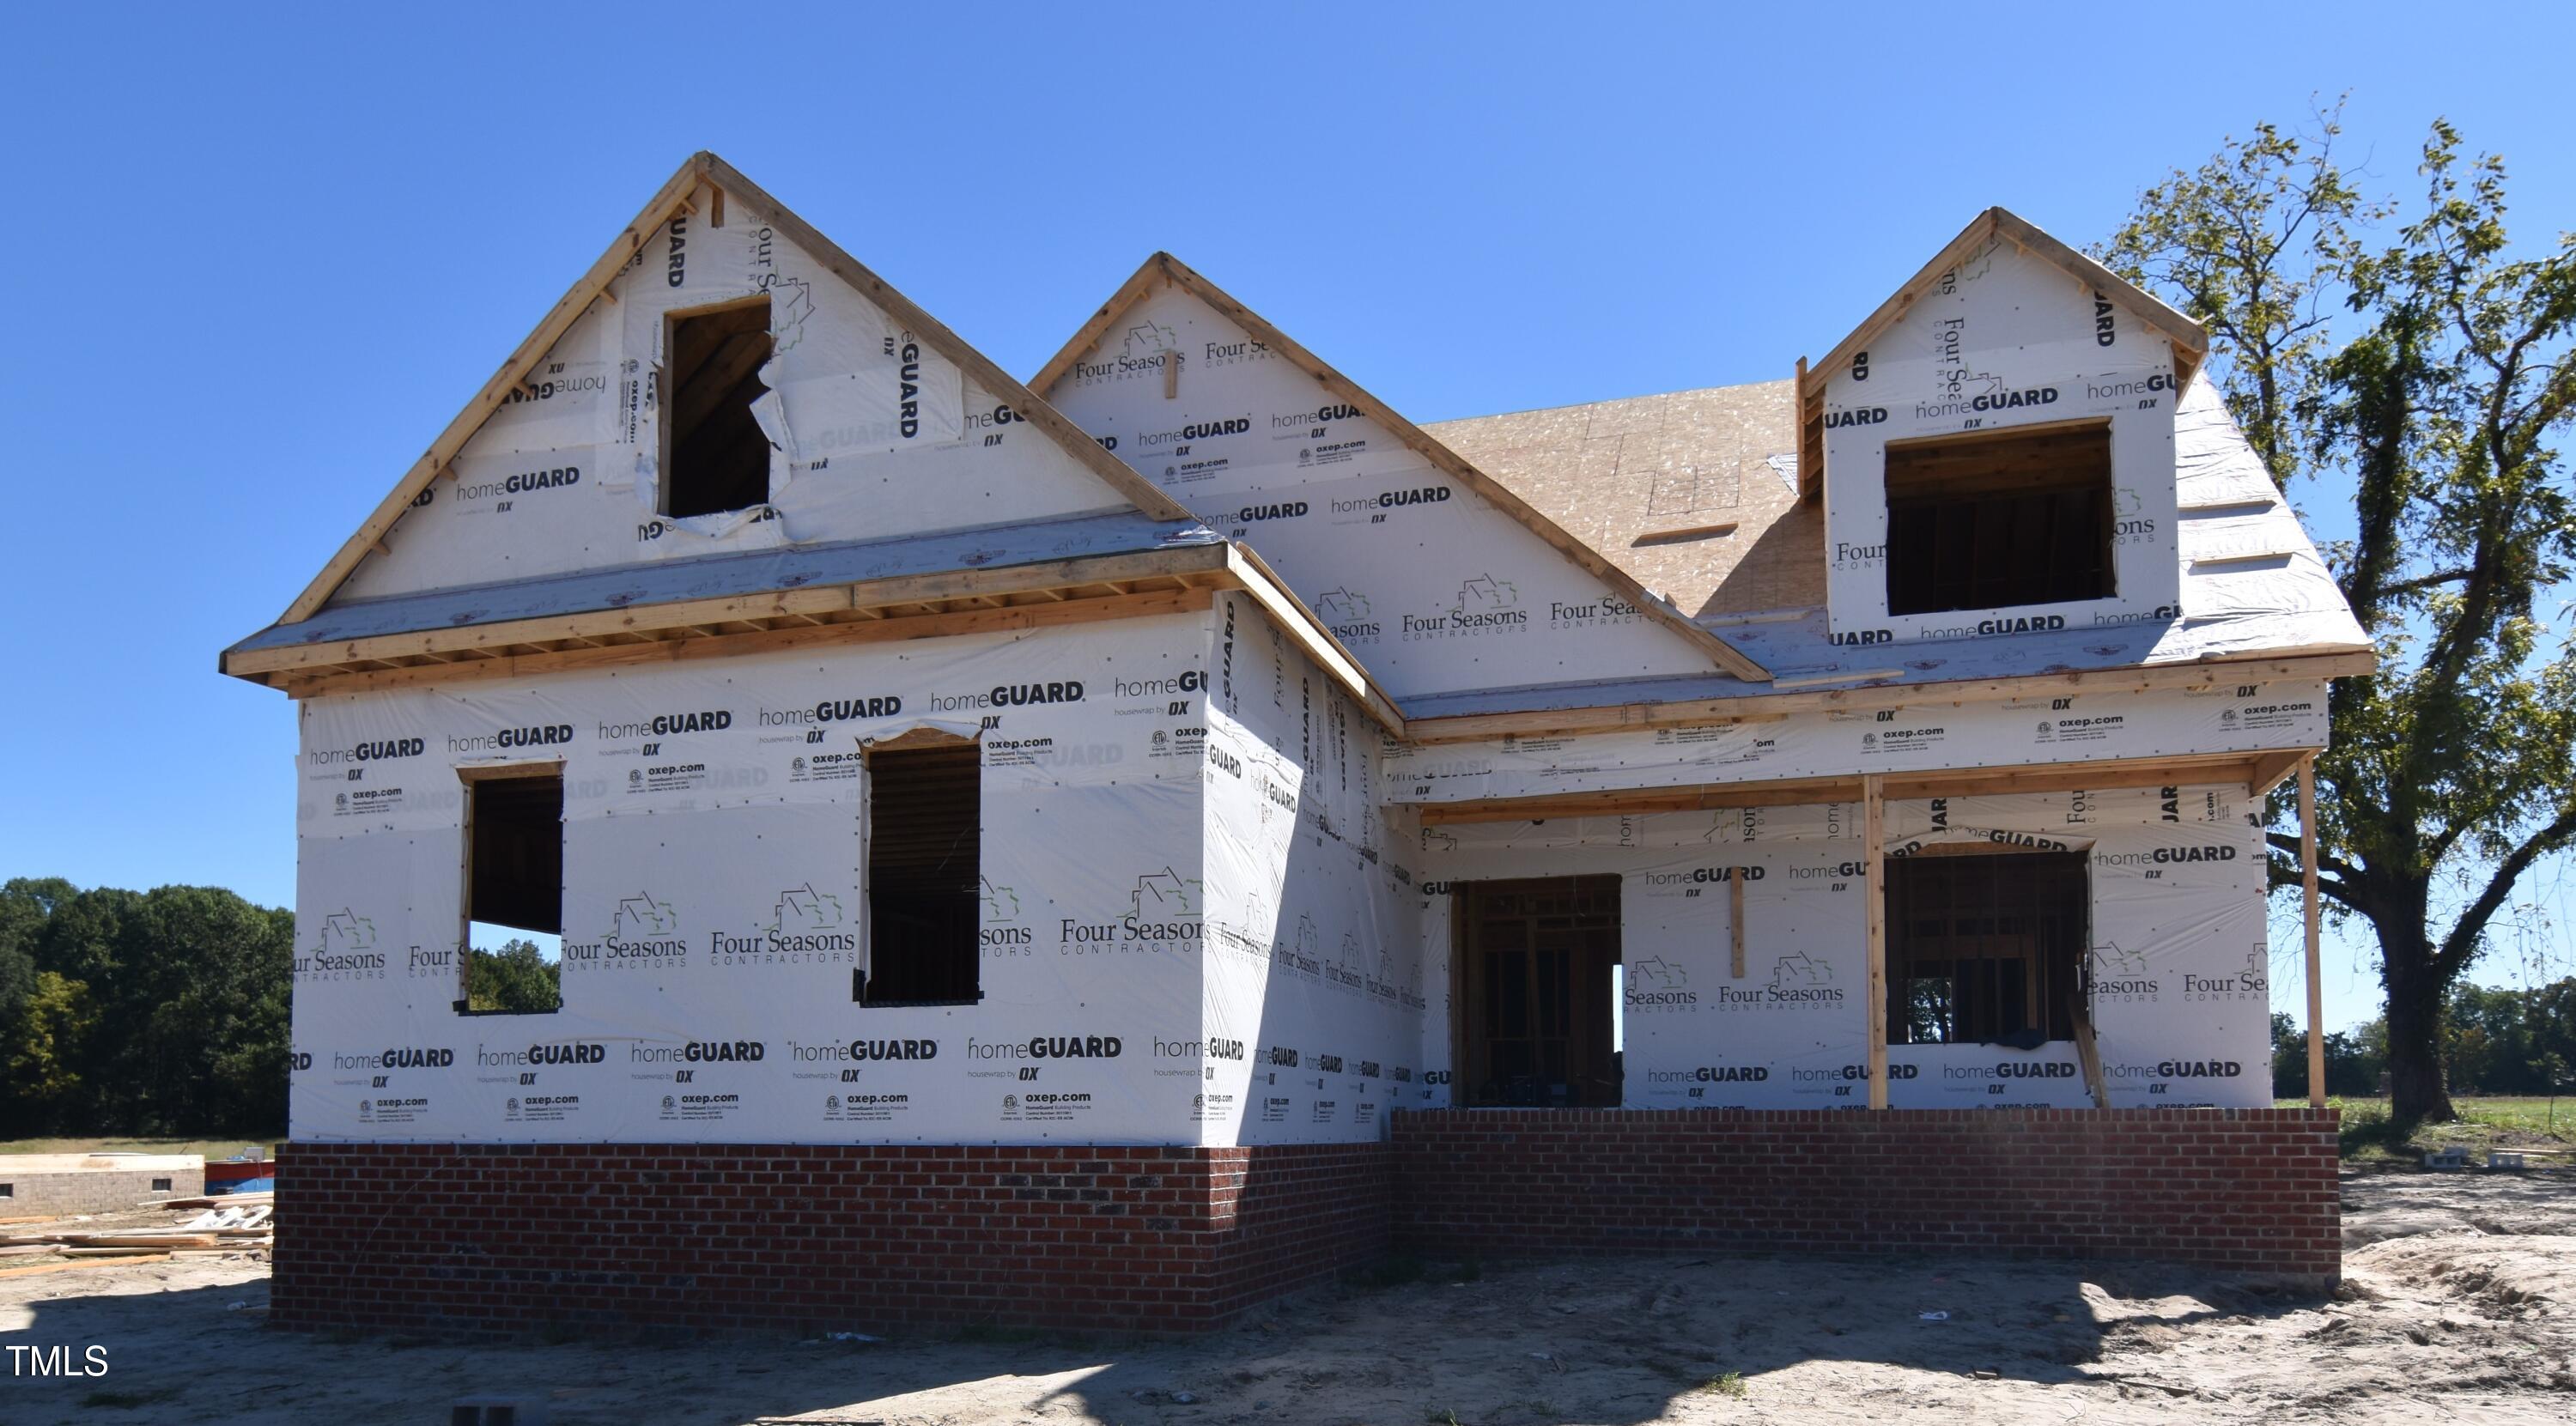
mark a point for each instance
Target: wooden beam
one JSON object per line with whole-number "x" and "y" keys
{"x": 1873, "y": 861}
{"x": 1792, "y": 792}
{"x": 1735, "y": 922}
{"x": 674, "y": 650}
{"x": 1291, "y": 614}
{"x": 645, "y": 618}
{"x": 1712, "y": 712}
{"x": 2194, "y": 770}
{"x": 2088, "y": 1053}
{"x": 2308, "y": 915}
{"x": 2272, "y": 769}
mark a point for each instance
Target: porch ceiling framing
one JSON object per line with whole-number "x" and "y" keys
{"x": 2253, "y": 771}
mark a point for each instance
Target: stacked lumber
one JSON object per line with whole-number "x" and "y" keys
{"x": 228, "y": 1227}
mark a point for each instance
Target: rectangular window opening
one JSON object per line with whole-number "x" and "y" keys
{"x": 925, "y": 864}
{"x": 161, "y": 1185}
{"x": 513, "y": 894}
{"x": 1997, "y": 519}
{"x": 1985, "y": 949}
{"x": 715, "y": 457}
{"x": 1537, "y": 964}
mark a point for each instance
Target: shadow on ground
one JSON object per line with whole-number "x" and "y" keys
{"x": 2459, "y": 1300}
{"x": 1493, "y": 1344}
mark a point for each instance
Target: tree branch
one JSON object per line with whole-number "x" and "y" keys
{"x": 2462, "y": 942}
{"x": 2425, "y": 581}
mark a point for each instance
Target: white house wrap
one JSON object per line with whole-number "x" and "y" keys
{"x": 1264, "y": 720}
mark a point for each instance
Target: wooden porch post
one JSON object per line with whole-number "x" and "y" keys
{"x": 2308, "y": 908}
{"x": 1874, "y": 890}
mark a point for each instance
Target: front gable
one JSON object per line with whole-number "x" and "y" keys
{"x": 1434, "y": 576}
{"x": 2013, "y": 337}
{"x": 880, "y": 423}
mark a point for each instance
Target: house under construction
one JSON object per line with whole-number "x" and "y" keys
{"x": 1108, "y": 850}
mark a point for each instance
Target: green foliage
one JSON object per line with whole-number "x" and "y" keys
{"x": 53, "y": 1029}
{"x": 2425, "y": 377}
{"x": 2355, "y": 1058}
{"x": 2513, "y": 1042}
{"x": 514, "y": 980}
{"x": 160, "y": 1012}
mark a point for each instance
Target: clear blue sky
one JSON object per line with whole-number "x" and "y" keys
{"x": 259, "y": 257}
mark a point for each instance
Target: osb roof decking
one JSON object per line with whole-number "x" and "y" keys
{"x": 1693, "y": 493}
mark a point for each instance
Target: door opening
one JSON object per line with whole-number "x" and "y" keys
{"x": 1537, "y": 961}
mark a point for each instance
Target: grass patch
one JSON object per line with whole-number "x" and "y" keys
{"x": 2370, "y": 1139}
{"x": 1725, "y": 1384}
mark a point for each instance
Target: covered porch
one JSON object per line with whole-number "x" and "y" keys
{"x": 1969, "y": 937}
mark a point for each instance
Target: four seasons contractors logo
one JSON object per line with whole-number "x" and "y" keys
{"x": 805, "y": 927}
{"x": 1141, "y": 351}
{"x": 643, "y": 931}
{"x": 1484, "y": 605}
{"x": 1798, "y": 982}
{"x": 1161, "y": 914}
{"x": 344, "y": 948}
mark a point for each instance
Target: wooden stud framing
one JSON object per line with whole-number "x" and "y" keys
{"x": 1735, "y": 922}
{"x": 1163, "y": 267}
{"x": 1873, "y": 861}
{"x": 2308, "y": 912}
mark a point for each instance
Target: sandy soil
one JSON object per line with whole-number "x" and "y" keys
{"x": 2459, "y": 1305}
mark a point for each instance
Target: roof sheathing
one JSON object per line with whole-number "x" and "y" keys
{"x": 1693, "y": 492}
{"x": 1163, "y": 267}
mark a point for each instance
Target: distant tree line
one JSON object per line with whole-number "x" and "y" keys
{"x": 163, "y": 1013}
{"x": 2493, "y": 1042}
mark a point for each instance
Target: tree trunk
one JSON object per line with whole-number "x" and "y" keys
{"x": 2416, "y": 1092}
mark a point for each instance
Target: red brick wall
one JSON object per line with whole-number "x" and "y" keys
{"x": 600, "y": 1237}
{"x": 497, "y": 1239}
{"x": 2245, "y": 1189}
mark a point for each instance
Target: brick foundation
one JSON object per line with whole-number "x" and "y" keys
{"x": 2249, "y": 1190}
{"x": 495, "y": 1239}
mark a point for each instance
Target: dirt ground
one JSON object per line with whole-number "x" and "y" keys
{"x": 2459, "y": 1304}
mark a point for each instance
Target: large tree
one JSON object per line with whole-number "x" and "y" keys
{"x": 2422, "y": 373}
